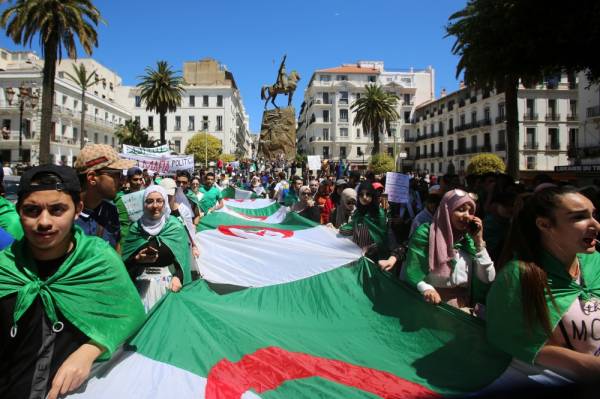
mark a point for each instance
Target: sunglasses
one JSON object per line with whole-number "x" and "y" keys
{"x": 461, "y": 193}
{"x": 304, "y": 193}
{"x": 365, "y": 194}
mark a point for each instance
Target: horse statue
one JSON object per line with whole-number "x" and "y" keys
{"x": 270, "y": 92}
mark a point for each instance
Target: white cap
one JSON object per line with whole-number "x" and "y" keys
{"x": 435, "y": 189}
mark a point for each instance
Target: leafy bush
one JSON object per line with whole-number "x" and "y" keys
{"x": 485, "y": 163}
{"x": 197, "y": 146}
{"x": 381, "y": 163}
{"x": 227, "y": 158}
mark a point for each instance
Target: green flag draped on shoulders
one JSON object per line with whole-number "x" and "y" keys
{"x": 507, "y": 327}
{"x": 377, "y": 227}
{"x": 173, "y": 235}
{"x": 91, "y": 289}
{"x": 9, "y": 219}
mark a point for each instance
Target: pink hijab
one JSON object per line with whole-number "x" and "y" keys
{"x": 441, "y": 239}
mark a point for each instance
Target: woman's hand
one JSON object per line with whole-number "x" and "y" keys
{"x": 310, "y": 203}
{"x": 175, "y": 284}
{"x": 74, "y": 370}
{"x": 477, "y": 235}
{"x": 147, "y": 255}
{"x": 387, "y": 264}
{"x": 195, "y": 251}
{"x": 432, "y": 296}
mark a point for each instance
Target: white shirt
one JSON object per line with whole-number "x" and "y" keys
{"x": 7, "y": 171}
{"x": 484, "y": 270}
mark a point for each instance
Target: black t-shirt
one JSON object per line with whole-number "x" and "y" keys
{"x": 29, "y": 361}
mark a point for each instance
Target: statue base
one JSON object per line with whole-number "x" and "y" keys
{"x": 278, "y": 134}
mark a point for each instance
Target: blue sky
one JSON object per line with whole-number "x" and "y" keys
{"x": 250, "y": 37}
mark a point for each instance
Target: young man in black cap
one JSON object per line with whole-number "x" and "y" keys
{"x": 65, "y": 298}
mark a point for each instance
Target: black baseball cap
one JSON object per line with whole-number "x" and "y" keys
{"x": 69, "y": 182}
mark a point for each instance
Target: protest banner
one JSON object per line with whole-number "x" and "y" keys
{"x": 396, "y": 187}
{"x": 130, "y": 149}
{"x": 164, "y": 164}
{"x": 134, "y": 204}
{"x": 314, "y": 162}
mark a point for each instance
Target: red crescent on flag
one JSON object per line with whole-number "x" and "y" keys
{"x": 268, "y": 368}
{"x": 256, "y": 230}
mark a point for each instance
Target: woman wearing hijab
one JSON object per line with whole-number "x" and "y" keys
{"x": 368, "y": 226}
{"x": 323, "y": 201}
{"x": 342, "y": 212}
{"x": 447, "y": 260}
{"x": 256, "y": 187}
{"x": 305, "y": 207}
{"x": 156, "y": 251}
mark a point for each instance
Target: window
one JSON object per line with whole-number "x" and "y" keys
{"x": 473, "y": 143}
{"x": 358, "y": 133}
{"x": 178, "y": 122}
{"x": 326, "y": 134}
{"x": 572, "y": 109}
{"x": 75, "y": 104}
{"x": 191, "y": 123}
{"x": 432, "y": 149}
{"x": 530, "y": 138}
{"x": 326, "y": 152}
{"x": 342, "y": 152}
{"x": 440, "y": 128}
{"x": 552, "y": 108}
{"x": 325, "y": 78}
{"x": 325, "y": 116}
{"x": 441, "y": 148}
{"x": 392, "y": 132}
{"x": 96, "y": 138}
{"x": 357, "y": 95}
{"x": 75, "y": 133}
{"x": 450, "y": 125}
{"x": 573, "y": 137}
{"x": 343, "y": 132}
{"x": 138, "y": 101}
{"x": 326, "y": 98}
{"x": 205, "y": 101}
{"x": 553, "y": 139}
{"x": 343, "y": 115}
{"x": 406, "y": 99}
{"x": 530, "y": 106}
{"x": 462, "y": 120}
{"x": 439, "y": 167}
{"x": 204, "y": 122}
{"x": 150, "y": 123}
{"x": 371, "y": 79}
{"x": 343, "y": 97}
{"x": 359, "y": 151}
{"x": 501, "y": 112}
{"x": 406, "y": 117}
{"x": 487, "y": 141}
{"x": 474, "y": 117}
{"x": 112, "y": 141}
{"x": 486, "y": 114}
{"x": 365, "y": 133}
{"x": 341, "y": 77}
{"x": 106, "y": 116}
{"x": 219, "y": 101}
{"x": 137, "y": 119}
{"x": 192, "y": 101}
{"x": 501, "y": 137}
{"x": 64, "y": 100}
{"x": 530, "y": 162}
{"x": 219, "y": 123}
{"x": 6, "y": 124}
{"x": 390, "y": 151}
{"x": 177, "y": 146}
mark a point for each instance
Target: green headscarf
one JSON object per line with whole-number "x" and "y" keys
{"x": 506, "y": 324}
{"x": 91, "y": 289}
{"x": 9, "y": 219}
{"x": 173, "y": 235}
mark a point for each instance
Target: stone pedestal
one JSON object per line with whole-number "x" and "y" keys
{"x": 278, "y": 134}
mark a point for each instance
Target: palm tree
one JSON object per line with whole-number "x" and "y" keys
{"x": 375, "y": 111}
{"x": 132, "y": 133}
{"x": 57, "y": 23}
{"x": 84, "y": 81}
{"x": 161, "y": 90}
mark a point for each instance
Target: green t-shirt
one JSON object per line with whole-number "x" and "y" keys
{"x": 210, "y": 198}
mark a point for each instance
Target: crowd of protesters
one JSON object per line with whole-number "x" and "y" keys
{"x": 520, "y": 256}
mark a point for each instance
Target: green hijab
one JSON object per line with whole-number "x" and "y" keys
{"x": 173, "y": 235}
{"x": 9, "y": 219}
{"x": 91, "y": 289}
{"x": 506, "y": 324}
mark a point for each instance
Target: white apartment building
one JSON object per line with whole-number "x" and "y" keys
{"x": 102, "y": 114}
{"x": 325, "y": 125}
{"x": 452, "y": 129}
{"x": 584, "y": 148}
{"x": 211, "y": 103}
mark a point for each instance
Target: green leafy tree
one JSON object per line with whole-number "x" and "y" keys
{"x": 84, "y": 81}
{"x": 57, "y": 24}
{"x": 375, "y": 111}
{"x": 485, "y": 163}
{"x": 227, "y": 157}
{"x": 205, "y": 147}
{"x": 161, "y": 90}
{"x": 132, "y": 133}
{"x": 503, "y": 42}
{"x": 381, "y": 163}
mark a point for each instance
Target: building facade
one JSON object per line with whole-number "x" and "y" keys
{"x": 584, "y": 147}
{"x": 102, "y": 114}
{"x": 449, "y": 131}
{"x": 326, "y": 122}
{"x": 211, "y": 103}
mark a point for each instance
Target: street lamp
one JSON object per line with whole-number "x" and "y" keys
{"x": 25, "y": 96}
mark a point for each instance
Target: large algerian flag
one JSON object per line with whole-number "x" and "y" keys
{"x": 319, "y": 321}
{"x": 238, "y": 193}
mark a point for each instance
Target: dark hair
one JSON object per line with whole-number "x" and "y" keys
{"x": 46, "y": 178}
{"x": 434, "y": 199}
{"x": 209, "y": 174}
{"x": 373, "y": 207}
{"x": 184, "y": 173}
{"x": 524, "y": 241}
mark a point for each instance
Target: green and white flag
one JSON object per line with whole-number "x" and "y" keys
{"x": 319, "y": 320}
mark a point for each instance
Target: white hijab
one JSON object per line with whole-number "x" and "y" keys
{"x": 149, "y": 224}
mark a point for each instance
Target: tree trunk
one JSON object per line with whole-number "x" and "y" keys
{"x": 82, "y": 134}
{"x": 512, "y": 126}
{"x": 163, "y": 128}
{"x": 49, "y": 73}
{"x": 375, "y": 142}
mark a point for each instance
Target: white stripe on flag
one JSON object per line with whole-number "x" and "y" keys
{"x": 249, "y": 203}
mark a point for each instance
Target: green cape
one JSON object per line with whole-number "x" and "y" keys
{"x": 173, "y": 235}
{"x": 377, "y": 229}
{"x": 291, "y": 198}
{"x": 417, "y": 260}
{"x": 9, "y": 219}
{"x": 91, "y": 289}
{"x": 506, "y": 324}
{"x": 191, "y": 196}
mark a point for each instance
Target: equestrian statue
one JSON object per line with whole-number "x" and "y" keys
{"x": 285, "y": 84}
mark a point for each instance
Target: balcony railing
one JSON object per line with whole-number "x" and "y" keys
{"x": 553, "y": 147}
{"x": 500, "y": 119}
{"x": 485, "y": 122}
{"x": 486, "y": 148}
{"x": 572, "y": 118}
{"x": 553, "y": 117}
{"x": 450, "y": 152}
{"x": 530, "y": 117}
{"x": 440, "y": 154}
{"x": 530, "y": 146}
{"x": 593, "y": 112}
{"x": 450, "y": 130}
{"x": 461, "y": 151}
{"x": 501, "y": 147}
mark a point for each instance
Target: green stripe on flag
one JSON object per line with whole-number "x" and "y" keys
{"x": 354, "y": 314}
{"x": 266, "y": 211}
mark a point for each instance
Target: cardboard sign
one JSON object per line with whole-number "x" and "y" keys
{"x": 314, "y": 162}
{"x": 134, "y": 203}
{"x": 396, "y": 187}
